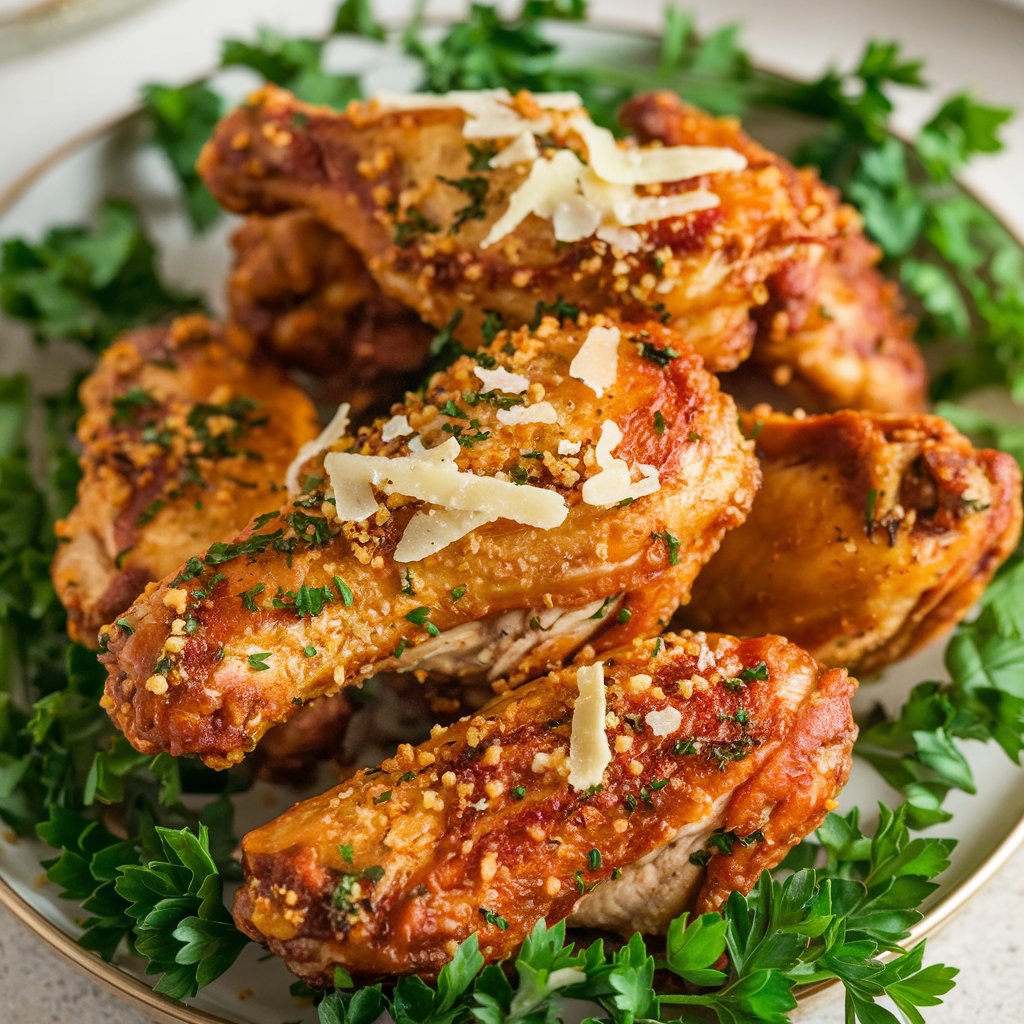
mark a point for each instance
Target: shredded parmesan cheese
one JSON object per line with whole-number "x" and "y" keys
{"x": 397, "y": 426}
{"x": 548, "y": 183}
{"x": 597, "y": 361}
{"x": 575, "y": 218}
{"x": 589, "y": 753}
{"x": 650, "y": 165}
{"x": 569, "y": 447}
{"x": 501, "y": 379}
{"x": 614, "y": 482}
{"x": 523, "y": 149}
{"x": 625, "y": 239}
{"x": 430, "y": 531}
{"x": 539, "y": 412}
{"x": 665, "y": 721}
{"x": 433, "y": 476}
{"x": 331, "y": 433}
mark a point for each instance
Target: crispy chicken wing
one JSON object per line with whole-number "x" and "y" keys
{"x": 302, "y": 293}
{"x": 183, "y": 441}
{"x": 870, "y": 536}
{"x": 717, "y": 743}
{"x": 832, "y": 333}
{"x": 300, "y": 605}
{"x": 414, "y": 190}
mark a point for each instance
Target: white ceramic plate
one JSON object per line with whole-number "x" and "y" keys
{"x": 109, "y": 161}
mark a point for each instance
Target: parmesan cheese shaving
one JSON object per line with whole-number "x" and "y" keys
{"x": 650, "y": 165}
{"x": 614, "y": 482}
{"x": 431, "y": 530}
{"x": 569, "y": 447}
{"x": 523, "y": 149}
{"x": 548, "y": 183}
{"x": 575, "y": 218}
{"x": 501, "y": 379}
{"x": 597, "y": 361}
{"x": 589, "y": 753}
{"x": 397, "y": 426}
{"x": 331, "y": 433}
{"x": 539, "y": 412}
{"x": 622, "y": 207}
{"x": 625, "y": 239}
{"x": 435, "y": 478}
{"x": 664, "y": 721}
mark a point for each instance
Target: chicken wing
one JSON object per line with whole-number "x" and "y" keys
{"x": 450, "y": 222}
{"x": 870, "y": 536}
{"x": 183, "y": 441}
{"x": 832, "y": 334}
{"x": 302, "y": 293}
{"x": 715, "y": 745}
{"x": 300, "y": 604}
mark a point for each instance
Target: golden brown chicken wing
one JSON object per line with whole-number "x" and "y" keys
{"x": 573, "y": 512}
{"x": 302, "y": 293}
{"x": 832, "y": 333}
{"x": 710, "y": 744}
{"x": 870, "y": 536}
{"x": 490, "y": 209}
{"x": 183, "y": 441}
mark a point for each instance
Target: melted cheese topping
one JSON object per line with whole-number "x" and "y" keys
{"x": 597, "y": 361}
{"x": 614, "y": 482}
{"x": 331, "y": 433}
{"x": 589, "y": 753}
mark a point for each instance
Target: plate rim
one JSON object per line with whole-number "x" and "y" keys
{"x": 164, "y": 1010}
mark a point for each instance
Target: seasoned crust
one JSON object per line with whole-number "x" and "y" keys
{"x": 376, "y": 176}
{"x": 831, "y": 333}
{"x": 183, "y": 439}
{"x": 387, "y": 872}
{"x": 871, "y": 535}
{"x": 208, "y": 700}
{"x": 304, "y": 296}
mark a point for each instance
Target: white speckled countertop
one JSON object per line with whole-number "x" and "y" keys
{"x": 74, "y": 84}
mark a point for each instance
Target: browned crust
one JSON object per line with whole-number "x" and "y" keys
{"x": 831, "y": 333}
{"x": 217, "y": 707}
{"x": 481, "y": 817}
{"x": 199, "y": 450}
{"x": 365, "y": 171}
{"x": 871, "y": 536}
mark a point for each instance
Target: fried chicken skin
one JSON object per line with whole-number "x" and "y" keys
{"x": 871, "y": 535}
{"x": 300, "y": 605}
{"x": 831, "y": 333}
{"x": 414, "y": 190}
{"x": 303, "y": 295}
{"x": 183, "y": 441}
{"x": 714, "y": 743}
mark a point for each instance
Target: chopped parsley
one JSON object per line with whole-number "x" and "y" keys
{"x": 458, "y": 592}
{"x": 494, "y": 919}
{"x": 659, "y": 423}
{"x": 672, "y": 543}
{"x": 657, "y": 354}
{"x": 475, "y": 190}
{"x": 480, "y": 156}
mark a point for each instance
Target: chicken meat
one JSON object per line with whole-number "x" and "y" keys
{"x": 720, "y": 755}
{"x": 303, "y": 295}
{"x": 492, "y": 209}
{"x": 629, "y": 494}
{"x": 183, "y": 441}
{"x": 831, "y": 333}
{"x": 870, "y": 536}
